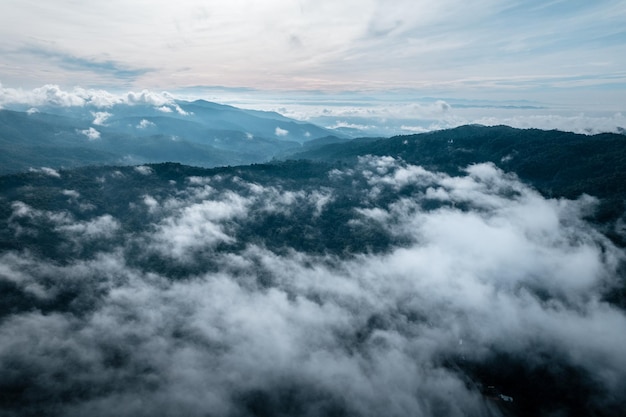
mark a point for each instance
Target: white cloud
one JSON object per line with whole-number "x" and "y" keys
{"x": 281, "y": 132}
{"x": 91, "y": 133}
{"x": 54, "y": 95}
{"x": 341, "y": 124}
{"x": 493, "y": 268}
{"x": 144, "y": 170}
{"x": 148, "y": 97}
{"x": 180, "y": 111}
{"x": 449, "y": 46}
{"x": 144, "y": 124}
{"x": 47, "y": 171}
{"x": 388, "y": 114}
{"x": 578, "y": 123}
{"x": 414, "y": 129}
{"x": 101, "y": 227}
{"x": 198, "y": 226}
{"x": 71, "y": 193}
{"x": 151, "y": 203}
{"x": 100, "y": 117}
{"x": 381, "y": 114}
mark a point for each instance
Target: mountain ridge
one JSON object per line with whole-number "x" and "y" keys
{"x": 204, "y": 133}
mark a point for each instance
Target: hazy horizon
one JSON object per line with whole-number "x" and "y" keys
{"x": 343, "y": 63}
{"x": 375, "y": 114}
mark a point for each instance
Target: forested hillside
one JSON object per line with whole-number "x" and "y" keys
{"x": 457, "y": 272}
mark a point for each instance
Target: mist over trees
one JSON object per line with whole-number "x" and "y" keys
{"x": 357, "y": 284}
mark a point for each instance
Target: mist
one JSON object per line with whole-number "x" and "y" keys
{"x": 204, "y": 309}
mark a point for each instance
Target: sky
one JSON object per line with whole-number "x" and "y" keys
{"x": 562, "y": 53}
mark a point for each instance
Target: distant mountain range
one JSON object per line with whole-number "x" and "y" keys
{"x": 196, "y": 133}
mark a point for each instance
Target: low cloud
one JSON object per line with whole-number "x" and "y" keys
{"x": 390, "y": 115}
{"x": 143, "y": 169}
{"x": 100, "y": 117}
{"x": 171, "y": 107}
{"x": 197, "y": 312}
{"x": 144, "y": 124}
{"x": 47, "y": 171}
{"x": 71, "y": 193}
{"x": 341, "y": 124}
{"x": 281, "y": 132}
{"x": 53, "y": 95}
{"x": 579, "y": 123}
{"x": 91, "y": 133}
{"x": 383, "y": 116}
{"x": 101, "y": 227}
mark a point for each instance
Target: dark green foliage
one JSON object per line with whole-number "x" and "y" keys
{"x": 559, "y": 164}
{"x": 556, "y": 163}
{"x": 537, "y": 385}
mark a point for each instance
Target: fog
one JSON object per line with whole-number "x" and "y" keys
{"x": 481, "y": 265}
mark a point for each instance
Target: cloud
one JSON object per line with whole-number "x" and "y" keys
{"x": 197, "y": 310}
{"x": 144, "y": 124}
{"x": 397, "y": 113}
{"x": 180, "y": 111}
{"x": 414, "y": 129}
{"x": 100, "y": 117}
{"x": 445, "y": 47}
{"x": 91, "y": 133}
{"x": 381, "y": 115}
{"x": 281, "y": 132}
{"x": 144, "y": 169}
{"x": 148, "y": 97}
{"x": 76, "y": 63}
{"x": 104, "y": 226}
{"x": 199, "y": 225}
{"x": 579, "y": 123}
{"x": 47, "y": 171}
{"x": 54, "y": 95}
{"x": 71, "y": 193}
{"x": 340, "y": 124}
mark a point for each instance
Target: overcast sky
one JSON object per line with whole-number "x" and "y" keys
{"x": 512, "y": 48}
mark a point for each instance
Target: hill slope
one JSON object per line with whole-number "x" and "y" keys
{"x": 314, "y": 288}
{"x": 195, "y": 133}
{"x": 558, "y": 163}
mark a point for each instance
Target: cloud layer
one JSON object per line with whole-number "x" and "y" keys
{"x": 201, "y": 312}
{"x": 53, "y": 95}
{"x": 353, "y": 113}
{"x": 445, "y": 45}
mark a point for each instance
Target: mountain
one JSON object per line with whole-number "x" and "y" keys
{"x": 560, "y": 164}
{"x": 196, "y": 133}
{"x": 477, "y": 271}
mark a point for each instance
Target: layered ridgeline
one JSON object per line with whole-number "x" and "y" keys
{"x": 477, "y": 271}
{"x": 196, "y": 133}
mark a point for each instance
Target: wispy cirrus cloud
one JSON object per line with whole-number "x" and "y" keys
{"x": 114, "y": 69}
{"x": 368, "y": 45}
